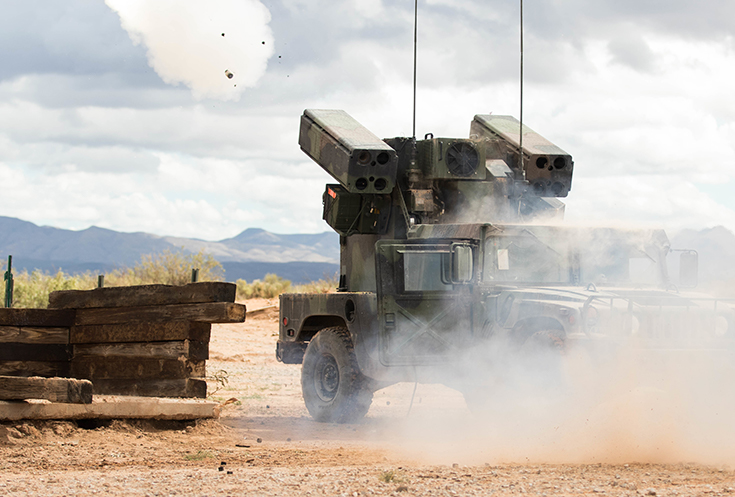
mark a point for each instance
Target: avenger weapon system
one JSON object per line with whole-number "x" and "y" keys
{"x": 441, "y": 261}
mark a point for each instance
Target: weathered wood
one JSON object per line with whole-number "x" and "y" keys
{"x": 34, "y": 368}
{"x": 191, "y": 388}
{"x": 111, "y": 407}
{"x": 140, "y": 332}
{"x": 186, "y": 349}
{"x": 144, "y": 295}
{"x": 61, "y": 318}
{"x": 123, "y": 368}
{"x": 215, "y": 312}
{"x": 34, "y": 352}
{"x": 28, "y": 334}
{"x": 53, "y": 389}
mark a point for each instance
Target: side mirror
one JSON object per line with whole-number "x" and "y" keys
{"x": 689, "y": 269}
{"x": 462, "y": 266}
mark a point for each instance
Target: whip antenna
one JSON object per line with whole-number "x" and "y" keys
{"x": 520, "y": 131}
{"x": 415, "y": 30}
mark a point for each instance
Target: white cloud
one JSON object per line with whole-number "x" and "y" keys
{"x": 201, "y": 44}
{"x": 129, "y": 154}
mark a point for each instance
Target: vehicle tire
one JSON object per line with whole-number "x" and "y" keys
{"x": 334, "y": 389}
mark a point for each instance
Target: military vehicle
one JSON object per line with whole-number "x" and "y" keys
{"x": 452, "y": 258}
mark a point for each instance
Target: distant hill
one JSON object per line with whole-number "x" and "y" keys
{"x": 255, "y": 252}
{"x": 249, "y": 255}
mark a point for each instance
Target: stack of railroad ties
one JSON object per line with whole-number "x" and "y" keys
{"x": 150, "y": 340}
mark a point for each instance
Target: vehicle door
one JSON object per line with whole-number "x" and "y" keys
{"x": 424, "y": 300}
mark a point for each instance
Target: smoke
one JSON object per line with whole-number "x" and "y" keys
{"x": 643, "y": 406}
{"x": 648, "y": 378}
{"x": 217, "y": 49}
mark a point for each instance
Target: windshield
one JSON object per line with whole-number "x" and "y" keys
{"x": 552, "y": 255}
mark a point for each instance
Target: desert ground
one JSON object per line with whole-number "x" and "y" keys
{"x": 265, "y": 443}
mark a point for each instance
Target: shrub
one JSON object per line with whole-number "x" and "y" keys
{"x": 169, "y": 268}
{"x": 271, "y": 286}
{"x": 325, "y": 285}
{"x": 32, "y": 290}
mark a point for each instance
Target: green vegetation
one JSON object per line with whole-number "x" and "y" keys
{"x": 199, "y": 456}
{"x": 391, "y": 476}
{"x": 169, "y": 268}
{"x": 271, "y": 286}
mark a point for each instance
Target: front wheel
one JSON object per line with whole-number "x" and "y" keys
{"x": 334, "y": 389}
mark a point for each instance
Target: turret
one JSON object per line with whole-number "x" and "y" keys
{"x": 486, "y": 178}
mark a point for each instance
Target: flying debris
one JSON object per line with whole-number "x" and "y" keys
{"x": 229, "y": 74}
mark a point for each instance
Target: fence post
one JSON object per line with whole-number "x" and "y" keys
{"x": 9, "y": 283}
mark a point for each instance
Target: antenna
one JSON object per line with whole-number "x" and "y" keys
{"x": 415, "y": 30}
{"x": 520, "y": 130}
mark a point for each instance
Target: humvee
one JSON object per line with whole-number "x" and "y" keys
{"x": 453, "y": 257}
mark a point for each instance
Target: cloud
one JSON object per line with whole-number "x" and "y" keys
{"x": 218, "y": 49}
{"x": 632, "y": 51}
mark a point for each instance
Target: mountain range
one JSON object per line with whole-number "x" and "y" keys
{"x": 249, "y": 255}
{"x": 255, "y": 252}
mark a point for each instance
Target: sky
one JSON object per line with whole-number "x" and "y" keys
{"x": 120, "y": 113}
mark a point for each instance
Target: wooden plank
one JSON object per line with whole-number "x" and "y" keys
{"x": 191, "y": 388}
{"x": 35, "y": 352}
{"x": 54, "y": 389}
{"x": 185, "y": 349}
{"x": 34, "y": 368}
{"x": 144, "y": 295}
{"x": 140, "y": 332}
{"x": 215, "y": 312}
{"x": 28, "y": 334}
{"x": 123, "y": 368}
{"x": 61, "y": 318}
{"x": 111, "y": 407}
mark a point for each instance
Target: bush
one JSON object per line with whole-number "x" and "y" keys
{"x": 325, "y": 285}
{"x": 32, "y": 290}
{"x": 169, "y": 268}
{"x": 271, "y": 286}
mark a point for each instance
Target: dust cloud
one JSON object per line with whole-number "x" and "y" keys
{"x": 198, "y": 43}
{"x": 634, "y": 406}
{"x": 654, "y": 386}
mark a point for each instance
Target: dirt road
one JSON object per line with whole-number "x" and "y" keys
{"x": 266, "y": 444}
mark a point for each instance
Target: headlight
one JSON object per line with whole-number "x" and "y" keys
{"x": 591, "y": 317}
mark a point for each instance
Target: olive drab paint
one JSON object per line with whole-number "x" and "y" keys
{"x": 448, "y": 265}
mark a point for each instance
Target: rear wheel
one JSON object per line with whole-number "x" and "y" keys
{"x": 334, "y": 389}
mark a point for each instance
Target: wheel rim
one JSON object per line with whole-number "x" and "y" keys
{"x": 326, "y": 378}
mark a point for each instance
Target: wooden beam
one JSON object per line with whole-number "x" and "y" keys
{"x": 54, "y": 389}
{"x": 141, "y": 332}
{"x": 61, "y": 318}
{"x": 34, "y": 368}
{"x": 185, "y": 349}
{"x": 191, "y": 388}
{"x": 28, "y": 334}
{"x": 123, "y": 368}
{"x": 215, "y": 312}
{"x": 35, "y": 352}
{"x": 144, "y": 295}
{"x": 111, "y": 407}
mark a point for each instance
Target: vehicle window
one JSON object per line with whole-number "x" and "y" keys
{"x": 524, "y": 258}
{"x": 423, "y": 271}
{"x": 620, "y": 265}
